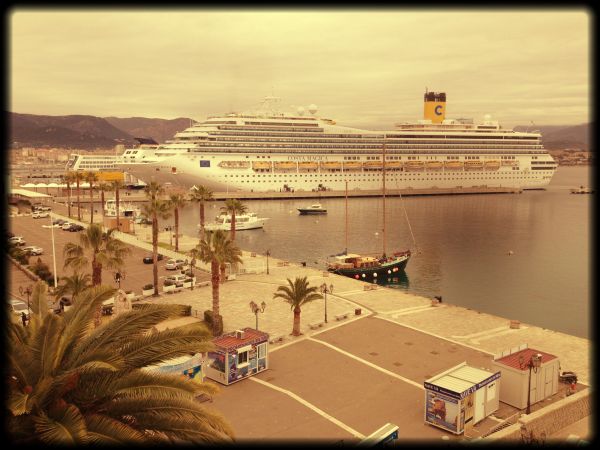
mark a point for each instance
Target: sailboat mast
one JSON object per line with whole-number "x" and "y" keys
{"x": 383, "y": 188}
{"x": 346, "y": 249}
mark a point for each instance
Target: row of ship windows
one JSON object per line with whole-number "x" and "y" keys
{"x": 349, "y": 148}
{"x": 324, "y": 177}
{"x": 413, "y": 179}
{"x": 416, "y": 139}
{"x": 422, "y": 152}
{"x": 350, "y": 144}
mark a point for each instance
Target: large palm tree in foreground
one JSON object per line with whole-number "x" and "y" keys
{"x": 69, "y": 384}
{"x": 200, "y": 195}
{"x": 216, "y": 249}
{"x": 297, "y": 293}
{"x": 106, "y": 252}
{"x": 234, "y": 207}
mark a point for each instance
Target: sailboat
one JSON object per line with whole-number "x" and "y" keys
{"x": 369, "y": 268}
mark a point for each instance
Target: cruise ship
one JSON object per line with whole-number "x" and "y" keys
{"x": 272, "y": 151}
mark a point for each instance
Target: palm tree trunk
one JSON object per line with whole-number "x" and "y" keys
{"x": 296, "y": 329}
{"x": 233, "y": 226}
{"x": 155, "y": 253}
{"x": 117, "y": 210}
{"x": 223, "y": 277}
{"x": 69, "y": 201}
{"x": 214, "y": 270}
{"x": 97, "y": 281}
{"x": 102, "y": 206}
{"x": 91, "y": 204}
{"x": 78, "y": 204}
{"x": 176, "y": 229}
{"x": 201, "y": 220}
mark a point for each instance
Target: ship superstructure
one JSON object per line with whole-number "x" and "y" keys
{"x": 272, "y": 151}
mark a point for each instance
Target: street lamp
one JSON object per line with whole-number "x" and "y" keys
{"x": 256, "y": 309}
{"x": 192, "y": 264}
{"x": 267, "y": 254}
{"x": 326, "y": 290}
{"x": 534, "y": 363}
{"x": 27, "y": 291}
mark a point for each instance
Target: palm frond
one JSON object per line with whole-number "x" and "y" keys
{"x": 106, "y": 430}
{"x": 144, "y": 384}
{"x": 38, "y": 303}
{"x": 61, "y": 426}
{"x": 17, "y": 402}
{"x": 45, "y": 342}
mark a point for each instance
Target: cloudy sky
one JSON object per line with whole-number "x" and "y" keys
{"x": 366, "y": 68}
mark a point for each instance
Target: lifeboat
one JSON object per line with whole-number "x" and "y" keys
{"x": 234, "y": 164}
{"x": 352, "y": 165}
{"x": 453, "y": 165}
{"x": 510, "y": 162}
{"x": 492, "y": 165}
{"x": 393, "y": 164}
{"x": 433, "y": 165}
{"x": 261, "y": 165}
{"x": 414, "y": 165}
{"x": 473, "y": 165}
{"x": 373, "y": 165}
{"x": 331, "y": 165}
{"x": 285, "y": 165}
{"x": 307, "y": 165}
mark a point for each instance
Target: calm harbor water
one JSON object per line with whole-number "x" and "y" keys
{"x": 462, "y": 242}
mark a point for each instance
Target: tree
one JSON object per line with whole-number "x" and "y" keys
{"x": 201, "y": 194}
{"x": 178, "y": 201}
{"x": 117, "y": 185}
{"x": 154, "y": 209}
{"x": 297, "y": 293}
{"x": 103, "y": 187}
{"x": 69, "y": 178}
{"x": 154, "y": 190}
{"x": 70, "y": 384}
{"x": 78, "y": 178}
{"x": 73, "y": 285}
{"x": 91, "y": 178}
{"x": 106, "y": 252}
{"x": 233, "y": 206}
{"x": 216, "y": 249}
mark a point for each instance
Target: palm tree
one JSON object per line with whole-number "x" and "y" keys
{"x": 103, "y": 187}
{"x": 201, "y": 194}
{"x": 74, "y": 285}
{"x": 178, "y": 201}
{"x": 69, "y": 178}
{"x": 216, "y": 249}
{"x": 154, "y": 190}
{"x": 154, "y": 209}
{"x": 70, "y": 384}
{"x": 78, "y": 178}
{"x": 297, "y": 293}
{"x": 233, "y": 206}
{"x": 106, "y": 252}
{"x": 117, "y": 185}
{"x": 91, "y": 177}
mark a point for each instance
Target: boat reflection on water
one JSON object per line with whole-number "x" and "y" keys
{"x": 398, "y": 281}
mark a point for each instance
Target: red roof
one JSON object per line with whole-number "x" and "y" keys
{"x": 526, "y": 354}
{"x": 230, "y": 342}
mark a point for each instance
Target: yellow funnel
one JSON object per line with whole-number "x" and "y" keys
{"x": 435, "y": 107}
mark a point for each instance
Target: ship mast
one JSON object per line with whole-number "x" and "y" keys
{"x": 383, "y": 188}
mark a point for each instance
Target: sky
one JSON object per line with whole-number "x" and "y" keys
{"x": 363, "y": 68}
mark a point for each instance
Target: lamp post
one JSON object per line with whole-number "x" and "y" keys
{"x": 256, "y": 309}
{"x": 326, "y": 290}
{"x": 53, "y": 251}
{"x": 27, "y": 291}
{"x": 267, "y": 254}
{"x": 534, "y": 363}
{"x": 192, "y": 264}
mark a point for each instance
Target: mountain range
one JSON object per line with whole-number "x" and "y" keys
{"x": 91, "y": 132}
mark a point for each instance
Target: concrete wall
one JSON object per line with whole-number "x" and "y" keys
{"x": 547, "y": 420}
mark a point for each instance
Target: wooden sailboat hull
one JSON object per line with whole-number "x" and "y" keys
{"x": 387, "y": 268}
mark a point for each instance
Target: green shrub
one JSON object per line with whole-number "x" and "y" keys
{"x": 208, "y": 317}
{"x": 169, "y": 283}
{"x": 147, "y": 287}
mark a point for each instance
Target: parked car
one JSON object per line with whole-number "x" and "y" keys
{"x": 148, "y": 259}
{"x": 66, "y": 225}
{"x": 177, "y": 279}
{"x": 41, "y": 208}
{"x": 181, "y": 263}
{"x": 171, "y": 265}
{"x": 142, "y": 220}
{"x": 40, "y": 214}
{"x": 33, "y": 250}
{"x": 17, "y": 240}
{"x": 58, "y": 222}
{"x": 17, "y": 307}
{"x": 75, "y": 227}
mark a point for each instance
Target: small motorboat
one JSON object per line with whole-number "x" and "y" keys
{"x": 249, "y": 221}
{"x": 582, "y": 190}
{"x": 317, "y": 208}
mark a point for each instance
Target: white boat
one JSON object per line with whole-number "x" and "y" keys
{"x": 270, "y": 151}
{"x": 582, "y": 190}
{"x": 317, "y": 208}
{"x": 249, "y": 221}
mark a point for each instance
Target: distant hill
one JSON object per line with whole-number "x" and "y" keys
{"x": 560, "y": 137}
{"x": 158, "y": 129}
